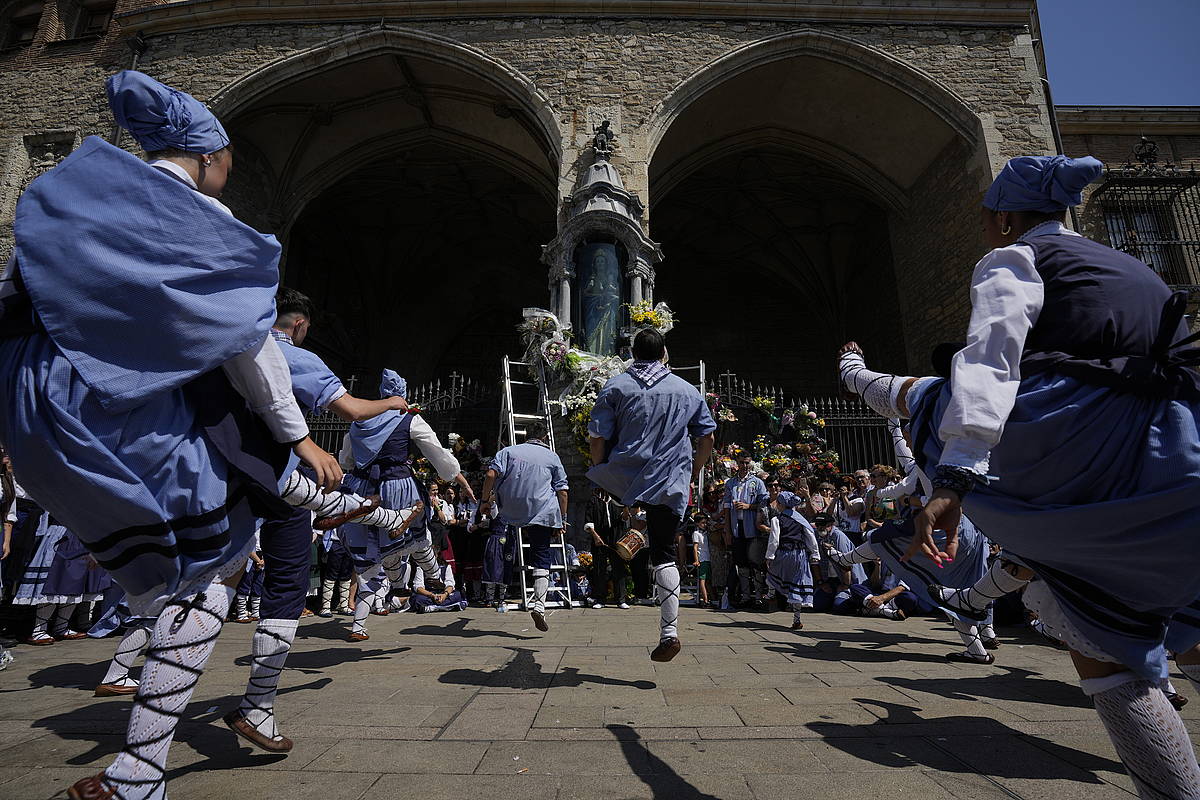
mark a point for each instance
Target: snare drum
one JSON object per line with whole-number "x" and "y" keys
{"x": 630, "y": 544}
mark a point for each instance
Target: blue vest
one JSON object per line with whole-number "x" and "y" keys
{"x": 392, "y": 460}
{"x": 791, "y": 533}
{"x": 1107, "y": 319}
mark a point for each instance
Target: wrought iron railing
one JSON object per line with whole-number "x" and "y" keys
{"x": 470, "y": 408}
{"x": 1151, "y": 210}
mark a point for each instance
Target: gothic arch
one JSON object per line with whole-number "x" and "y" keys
{"x": 903, "y": 77}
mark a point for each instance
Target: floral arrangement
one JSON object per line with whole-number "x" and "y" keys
{"x": 643, "y": 315}
{"x": 555, "y": 351}
{"x": 719, "y": 411}
{"x": 585, "y": 560}
{"x": 578, "y": 411}
{"x": 763, "y": 404}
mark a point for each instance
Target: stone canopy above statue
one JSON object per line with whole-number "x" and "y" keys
{"x": 601, "y": 261}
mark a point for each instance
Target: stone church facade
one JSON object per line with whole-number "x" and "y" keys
{"x": 799, "y": 173}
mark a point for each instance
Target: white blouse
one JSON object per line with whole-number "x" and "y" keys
{"x": 1006, "y": 298}
{"x": 426, "y": 440}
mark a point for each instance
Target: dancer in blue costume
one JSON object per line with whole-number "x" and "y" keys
{"x": 1069, "y": 430}
{"x": 890, "y": 543}
{"x": 382, "y": 451}
{"x": 640, "y": 436}
{"x": 286, "y": 544}
{"x": 792, "y": 556}
{"x": 143, "y": 402}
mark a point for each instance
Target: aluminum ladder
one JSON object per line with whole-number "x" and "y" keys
{"x": 512, "y": 431}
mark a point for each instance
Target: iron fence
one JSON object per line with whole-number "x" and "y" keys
{"x": 1151, "y": 210}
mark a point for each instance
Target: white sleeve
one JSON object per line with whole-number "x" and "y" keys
{"x": 261, "y": 375}
{"x": 810, "y": 544}
{"x": 449, "y": 579}
{"x": 773, "y": 539}
{"x": 346, "y": 454}
{"x": 1006, "y": 299}
{"x": 418, "y": 580}
{"x": 426, "y": 440}
{"x": 905, "y": 487}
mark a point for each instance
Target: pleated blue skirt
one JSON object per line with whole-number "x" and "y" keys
{"x": 369, "y": 545}
{"x": 152, "y": 493}
{"x": 1098, "y": 492}
{"x": 790, "y": 574}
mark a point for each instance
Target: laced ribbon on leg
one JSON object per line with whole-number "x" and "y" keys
{"x": 666, "y": 582}
{"x": 541, "y": 585}
{"x": 41, "y": 623}
{"x": 969, "y": 633}
{"x": 879, "y": 390}
{"x": 128, "y": 650}
{"x": 180, "y": 645}
{"x": 62, "y": 619}
{"x": 367, "y": 587}
{"x": 427, "y": 561}
{"x": 303, "y": 492}
{"x": 862, "y": 554}
{"x": 272, "y": 642}
{"x": 996, "y": 583}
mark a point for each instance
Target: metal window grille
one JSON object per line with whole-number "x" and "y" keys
{"x": 1151, "y": 210}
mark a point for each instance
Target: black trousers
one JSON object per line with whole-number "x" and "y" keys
{"x": 661, "y": 525}
{"x": 605, "y": 564}
{"x": 287, "y": 551}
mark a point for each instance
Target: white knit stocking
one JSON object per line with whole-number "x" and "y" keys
{"x": 996, "y": 583}
{"x": 879, "y": 390}
{"x": 541, "y": 585}
{"x": 367, "y": 587}
{"x": 862, "y": 554}
{"x": 272, "y": 641}
{"x": 128, "y": 649}
{"x": 969, "y": 633}
{"x": 182, "y": 640}
{"x": 666, "y": 584}
{"x": 303, "y": 492}
{"x": 1148, "y": 734}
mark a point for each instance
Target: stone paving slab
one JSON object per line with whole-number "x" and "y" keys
{"x": 480, "y": 704}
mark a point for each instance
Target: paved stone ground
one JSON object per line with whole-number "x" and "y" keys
{"x": 480, "y": 705}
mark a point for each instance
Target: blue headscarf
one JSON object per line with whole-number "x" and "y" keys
{"x": 1041, "y": 183}
{"x": 392, "y": 385}
{"x": 162, "y": 118}
{"x": 789, "y": 499}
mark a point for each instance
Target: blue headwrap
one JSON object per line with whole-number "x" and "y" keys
{"x": 789, "y": 499}
{"x": 1041, "y": 183}
{"x": 392, "y": 385}
{"x": 162, "y": 118}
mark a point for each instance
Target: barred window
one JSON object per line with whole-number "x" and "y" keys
{"x": 21, "y": 24}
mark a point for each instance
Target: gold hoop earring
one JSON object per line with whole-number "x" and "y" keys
{"x": 1007, "y": 230}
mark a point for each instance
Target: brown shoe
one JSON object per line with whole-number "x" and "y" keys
{"x": 418, "y": 513}
{"x": 539, "y": 621}
{"x": 328, "y": 523}
{"x": 93, "y": 788}
{"x": 238, "y": 723}
{"x": 40, "y": 642}
{"x": 797, "y": 625}
{"x": 666, "y": 650}
{"x": 73, "y": 636}
{"x": 359, "y": 637}
{"x": 114, "y": 690}
{"x": 963, "y": 658}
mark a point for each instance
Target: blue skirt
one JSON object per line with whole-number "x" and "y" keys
{"x": 497, "y": 557}
{"x": 369, "y": 545}
{"x": 1098, "y": 492}
{"x": 74, "y": 577}
{"x": 790, "y": 574}
{"x": 32, "y": 587}
{"x": 163, "y": 495}
{"x": 891, "y": 541}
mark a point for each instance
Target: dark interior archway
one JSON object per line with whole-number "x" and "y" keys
{"x": 421, "y": 262}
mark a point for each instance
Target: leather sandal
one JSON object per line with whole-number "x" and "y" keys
{"x": 328, "y": 523}
{"x": 238, "y": 723}
{"x": 114, "y": 690}
{"x": 93, "y": 788}
{"x": 666, "y": 650}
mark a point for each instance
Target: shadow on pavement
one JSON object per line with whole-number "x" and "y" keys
{"x": 1018, "y": 684}
{"x": 985, "y": 750}
{"x": 523, "y": 672}
{"x": 459, "y": 629}
{"x": 652, "y": 770}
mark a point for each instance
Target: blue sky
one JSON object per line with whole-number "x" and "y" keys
{"x": 1123, "y": 52}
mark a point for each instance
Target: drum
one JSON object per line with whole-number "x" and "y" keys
{"x": 630, "y": 544}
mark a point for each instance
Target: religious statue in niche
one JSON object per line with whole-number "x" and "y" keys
{"x": 599, "y": 271}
